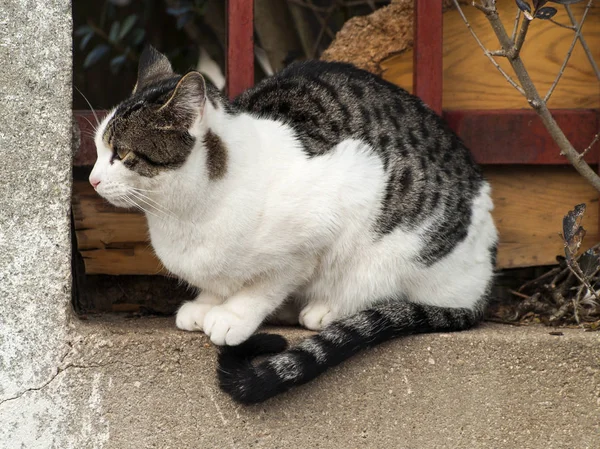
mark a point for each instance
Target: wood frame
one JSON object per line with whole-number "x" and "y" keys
{"x": 428, "y": 53}
{"x": 490, "y": 134}
{"x": 240, "y": 46}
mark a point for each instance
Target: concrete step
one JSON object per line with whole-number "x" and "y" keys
{"x": 140, "y": 383}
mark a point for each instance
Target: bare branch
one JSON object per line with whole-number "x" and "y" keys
{"x": 583, "y": 42}
{"x": 579, "y": 274}
{"x": 594, "y": 140}
{"x": 485, "y": 50}
{"x": 520, "y": 38}
{"x": 516, "y": 27}
{"x": 482, "y": 8}
{"x": 568, "y": 56}
{"x": 533, "y": 97}
{"x": 568, "y": 27}
{"x": 308, "y": 5}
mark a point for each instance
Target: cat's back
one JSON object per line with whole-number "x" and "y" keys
{"x": 431, "y": 178}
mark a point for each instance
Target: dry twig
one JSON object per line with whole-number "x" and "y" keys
{"x": 510, "y": 49}
{"x": 568, "y": 56}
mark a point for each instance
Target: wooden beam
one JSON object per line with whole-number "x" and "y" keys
{"x": 530, "y": 202}
{"x": 428, "y": 56}
{"x": 518, "y": 136}
{"x": 495, "y": 137}
{"x": 240, "y": 46}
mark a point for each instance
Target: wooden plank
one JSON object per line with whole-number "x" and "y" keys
{"x": 240, "y": 46}
{"x": 472, "y": 82}
{"x": 530, "y": 203}
{"x": 518, "y": 136}
{"x": 428, "y": 73}
{"x": 111, "y": 240}
{"x": 137, "y": 260}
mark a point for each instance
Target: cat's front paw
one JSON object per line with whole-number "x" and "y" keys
{"x": 316, "y": 316}
{"x": 227, "y": 328}
{"x": 191, "y": 315}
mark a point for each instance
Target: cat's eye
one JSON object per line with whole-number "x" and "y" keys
{"x": 120, "y": 153}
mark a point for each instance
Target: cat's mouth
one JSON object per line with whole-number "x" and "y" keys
{"x": 118, "y": 197}
{"x": 123, "y": 202}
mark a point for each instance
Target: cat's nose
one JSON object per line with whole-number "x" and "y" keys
{"x": 94, "y": 182}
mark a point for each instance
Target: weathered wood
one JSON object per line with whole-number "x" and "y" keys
{"x": 240, "y": 46}
{"x": 494, "y": 137}
{"x": 530, "y": 203}
{"x": 518, "y": 136}
{"x": 471, "y": 82}
{"x": 111, "y": 240}
{"x": 427, "y": 53}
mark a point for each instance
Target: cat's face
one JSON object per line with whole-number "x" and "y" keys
{"x": 145, "y": 139}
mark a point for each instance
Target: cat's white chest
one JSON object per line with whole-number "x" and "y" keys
{"x": 185, "y": 251}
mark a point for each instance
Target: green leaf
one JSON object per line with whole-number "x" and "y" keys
{"x": 95, "y": 55}
{"x": 523, "y": 5}
{"x": 545, "y": 13}
{"x": 137, "y": 36}
{"x": 179, "y": 11}
{"x": 565, "y": 2}
{"x": 85, "y": 40}
{"x": 127, "y": 25}
{"x": 84, "y": 29}
{"x": 117, "y": 62}
{"x": 114, "y": 32}
{"x": 182, "y": 20}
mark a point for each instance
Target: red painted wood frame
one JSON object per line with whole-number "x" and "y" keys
{"x": 240, "y": 46}
{"x": 494, "y": 136}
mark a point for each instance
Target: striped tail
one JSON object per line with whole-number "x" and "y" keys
{"x": 247, "y": 382}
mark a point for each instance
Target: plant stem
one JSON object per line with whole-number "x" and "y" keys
{"x": 583, "y": 42}
{"x": 594, "y": 140}
{"x": 566, "y": 149}
{"x": 520, "y": 39}
{"x": 516, "y": 27}
{"x": 486, "y": 52}
{"x": 564, "y": 65}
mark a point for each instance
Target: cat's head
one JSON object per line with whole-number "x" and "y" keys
{"x": 145, "y": 141}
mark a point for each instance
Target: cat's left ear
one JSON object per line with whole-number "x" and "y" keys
{"x": 153, "y": 66}
{"x": 189, "y": 96}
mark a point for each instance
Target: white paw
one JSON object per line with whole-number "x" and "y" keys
{"x": 227, "y": 328}
{"x": 316, "y": 316}
{"x": 190, "y": 316}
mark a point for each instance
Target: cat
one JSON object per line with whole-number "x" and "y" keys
{"x": 323, "y": 188}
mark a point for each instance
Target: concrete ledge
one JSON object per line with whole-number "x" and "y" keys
{"x": 142, "y": 383}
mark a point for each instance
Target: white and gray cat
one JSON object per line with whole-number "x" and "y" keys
{"x": 324, "y": 188}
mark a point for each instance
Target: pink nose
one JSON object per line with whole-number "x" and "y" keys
{"x": 94, "y": 182}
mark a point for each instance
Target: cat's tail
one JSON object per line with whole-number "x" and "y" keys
{"x": 249, "y": 381}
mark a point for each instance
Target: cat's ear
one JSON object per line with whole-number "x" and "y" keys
{"x": 189, "y": 96}
{"x": 153, "y": 66}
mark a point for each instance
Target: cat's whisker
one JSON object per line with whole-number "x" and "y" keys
{"x": 138, "y": 206}
{"x": 146, "y": 197}
{"x": 88, "y": 120}
{"x": 159, "y": 210}
{"x": 143, "y": 190}
{"x": 90, "y": 105}
{"x": 156, "y": 205}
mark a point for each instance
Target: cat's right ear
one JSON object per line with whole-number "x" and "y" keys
{"x": 188, "y": 99}
{"x": 153, "y": 66}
